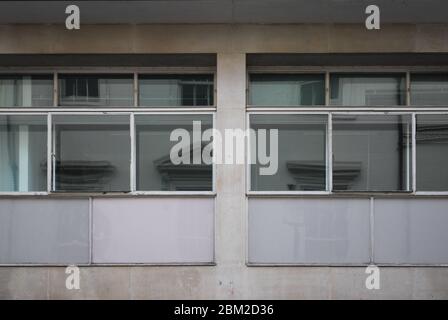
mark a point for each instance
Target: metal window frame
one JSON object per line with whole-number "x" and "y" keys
{"x": 132, "y": 111}
{"x": 407, "y": 108}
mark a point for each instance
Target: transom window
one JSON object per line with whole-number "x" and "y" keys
{"x": 58, "y": 148}
{"x": 380, "y": 147}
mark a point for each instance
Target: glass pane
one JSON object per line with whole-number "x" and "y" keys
{"x": 432, "y": 152}
{"x": 26, "y": 91}
{"x": 23, "y": 153}
{"x": 287, "y": 90}
{"x": 96, "y": 90}
{"x": 176, "y": 90}
{"x": 155, "y": 169}
{"x": 429, "y": 89}
{"x": 372, "y": 152}
{"x": 367, "y": 89}
{"x": 301, "y": 152}
{"x": 92, "y": 153}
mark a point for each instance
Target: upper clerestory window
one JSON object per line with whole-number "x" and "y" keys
{"x": 26, "y": 91}
{"x": 367, "y": 89}
{"x": 286, "y": 90}
{"x": 176, "y": 90}
{"x": 78, "y": 90}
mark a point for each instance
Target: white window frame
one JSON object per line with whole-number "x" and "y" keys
{"x": 407, "y": 108}
{"x": 131, "y": 111}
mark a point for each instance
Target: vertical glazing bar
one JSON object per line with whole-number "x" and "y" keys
{"x": 408, "y": 88}
{"x": 49, "y": 153}
{"x": 133, "y": 153}
{"x": 327, "y": 88}
{"x": 414, "y": 152}
{"x": 372, "y": 230}
{"x": 330, "y": 153}
{"x": 136, "y": 89}
{"x": 55, "y": 89}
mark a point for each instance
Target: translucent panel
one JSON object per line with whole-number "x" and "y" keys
{"x": 23, "y": 153}
{"x": 372, "y": 152}
{"x": 287, "y": 89}
{"x": 153, "y": 230}
{"x": 429, "y": 89}
{"x": 367, "y": 89}
{"x": 96, "y": 90}
{"x": 92, "y": 153}
{"x": 301, "y": 161}
{"x": 432, "y": 152}
{"x": 323, "y": 231}
{"x": 155, "y": 168}
{"x": 176, "y": 90}
{"x": 411, "y": 231}
{"x": 44, "y": 231}
{"x": 26, "y": 90}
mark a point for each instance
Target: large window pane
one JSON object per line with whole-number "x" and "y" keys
{"x": 23, "y": 153}
{"x": 429, "y": 89}
{"x": 301, "y": 152}
{"x": 372, "y": 152}
{"x": 432, "y": 152}
{"x": 96, "y": 90}
{"x": 367, "y": 89}
{"x": 26, "y": 90}
{"x": 92, "y": 153}
{"x": 176, "y": 90}
{"x": 155, "y": 170}
{"x": 287, "y": 90}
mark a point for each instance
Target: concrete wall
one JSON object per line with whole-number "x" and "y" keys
{"x": 230, "y": 278}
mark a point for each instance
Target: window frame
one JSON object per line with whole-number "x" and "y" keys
{"x": 130, "y": 111}
{"x": 330, "y": 110}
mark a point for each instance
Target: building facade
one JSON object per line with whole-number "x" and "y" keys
{"x": 86, "y": 177}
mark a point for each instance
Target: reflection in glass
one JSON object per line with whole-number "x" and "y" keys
{"x": 26, "y": 90}
{"x": 432, "y": 152}
{"x": 155, "y": 170}
{"x": 372, "y": 152}
{"x": 301, "y": 153}
{"x": 353, "y": 89}
{"x": 287, "y": 90}
{"x": 96, "y": 90}
{"x": 176, "y": 90}
{"x": 23, "y": 153}
{"x": 429, "y": 89}
{"x": 92, "y": 153}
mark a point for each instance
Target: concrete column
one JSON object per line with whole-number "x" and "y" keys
{"x": 230, "y": 184}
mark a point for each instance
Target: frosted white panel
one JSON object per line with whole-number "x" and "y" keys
{"x": 411, "y": 231}
{"x": 321, "y": 231}
{"x": 46, "y": 231}
{"x": 153, "y": 230}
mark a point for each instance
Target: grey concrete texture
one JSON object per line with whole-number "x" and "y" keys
{"x": 225, "y": 38}
{"x": 230, "y": 278}
{"x": 238, "y": 282}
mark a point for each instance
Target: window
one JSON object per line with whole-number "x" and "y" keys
{"x": 23, "y": 153}
{"x": 287, "y": 90}
{"x": 92, "y": 153}
{"x": 176, "y": 90}
{"x": 96, "y": 90}
{"x": 155, "y": 169}
{"x": 372, "y": 152}
{"x": 357, "y": 89}
{"x": 429, "y": 89}
{"x": 26, "y": 90}
{"x": 432, "y": 152}
{"x": 301, "y": 152}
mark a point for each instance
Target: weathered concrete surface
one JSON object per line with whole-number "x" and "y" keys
{"x": 211, "y": 38}
{"x": 223, "y": 283}
{"x": 230, "y": 278}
